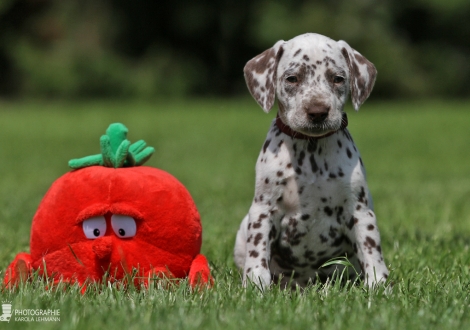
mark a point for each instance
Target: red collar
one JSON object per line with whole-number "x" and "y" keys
{"x": 296, "y": 135}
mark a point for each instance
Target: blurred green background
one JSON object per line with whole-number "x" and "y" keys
{"x": 172, "y": 72}
{"x": 150, "y": 49}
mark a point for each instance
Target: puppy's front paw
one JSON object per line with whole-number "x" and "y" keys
{"x": 376, "y": 279}
{"x": 261, "y": 277}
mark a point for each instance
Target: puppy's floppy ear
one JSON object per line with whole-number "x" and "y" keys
{"x": 362, "y": 74}
{"x": 261, "y": 75}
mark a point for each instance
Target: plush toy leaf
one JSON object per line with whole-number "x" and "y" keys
{"x": 139, "y": 153}
{"x": 116, "y": 151}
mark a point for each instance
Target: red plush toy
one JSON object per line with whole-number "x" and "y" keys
{"x": 111, "y": 217}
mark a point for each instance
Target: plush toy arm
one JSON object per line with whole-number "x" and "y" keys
{"x": 19, "y": 270}
{"x": 200, "y": 274}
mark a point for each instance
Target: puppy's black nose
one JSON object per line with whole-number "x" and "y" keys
{"x": 317, "y": 112}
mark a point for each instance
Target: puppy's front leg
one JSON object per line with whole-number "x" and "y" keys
{"x": 259, "y": 234}
{"x": 364, "y": 234}
{"x": 263, "y": 225}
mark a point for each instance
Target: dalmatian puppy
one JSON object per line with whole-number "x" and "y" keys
{"x": 311, "y": 200}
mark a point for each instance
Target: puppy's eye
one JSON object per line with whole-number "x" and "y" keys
{"x": 292, "y": 79}
{"x": 338, "y": 79}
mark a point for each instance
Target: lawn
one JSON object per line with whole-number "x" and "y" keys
{"x": 417, "y": 156}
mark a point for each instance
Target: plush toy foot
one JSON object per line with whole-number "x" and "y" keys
{"x": 18, "y": 271}
{"x": 199, "y": 274}
{"x": 157, "y": 274}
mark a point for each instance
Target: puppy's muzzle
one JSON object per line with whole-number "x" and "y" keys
{"x": 317, "y": 112}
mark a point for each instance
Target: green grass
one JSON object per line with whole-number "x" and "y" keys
{"x": 418, "y": 160}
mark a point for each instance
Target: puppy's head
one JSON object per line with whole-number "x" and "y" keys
{"x": 311, "y": 76}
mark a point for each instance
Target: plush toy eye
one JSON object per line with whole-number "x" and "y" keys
{"x": 123, "y": 225}
{"x": 94, "y": 227}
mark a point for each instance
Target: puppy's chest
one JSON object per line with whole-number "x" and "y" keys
{"x": 317, "y": 177}
{"x": 315, "y": 203}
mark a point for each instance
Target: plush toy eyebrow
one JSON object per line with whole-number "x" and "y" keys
{"x": 99, "y": 209}
{"x": 116, "y": 151}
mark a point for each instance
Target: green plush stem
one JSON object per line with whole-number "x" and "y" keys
{"x": 116, "y": 151}
{"x": 121, "y": 154}
{"x": 86, "y": 161}
{"x": 106, "y": 151}
{"x": 138, "y": 146}
{"x": 139, "y": 153}
{"x": 117, "y": 133}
